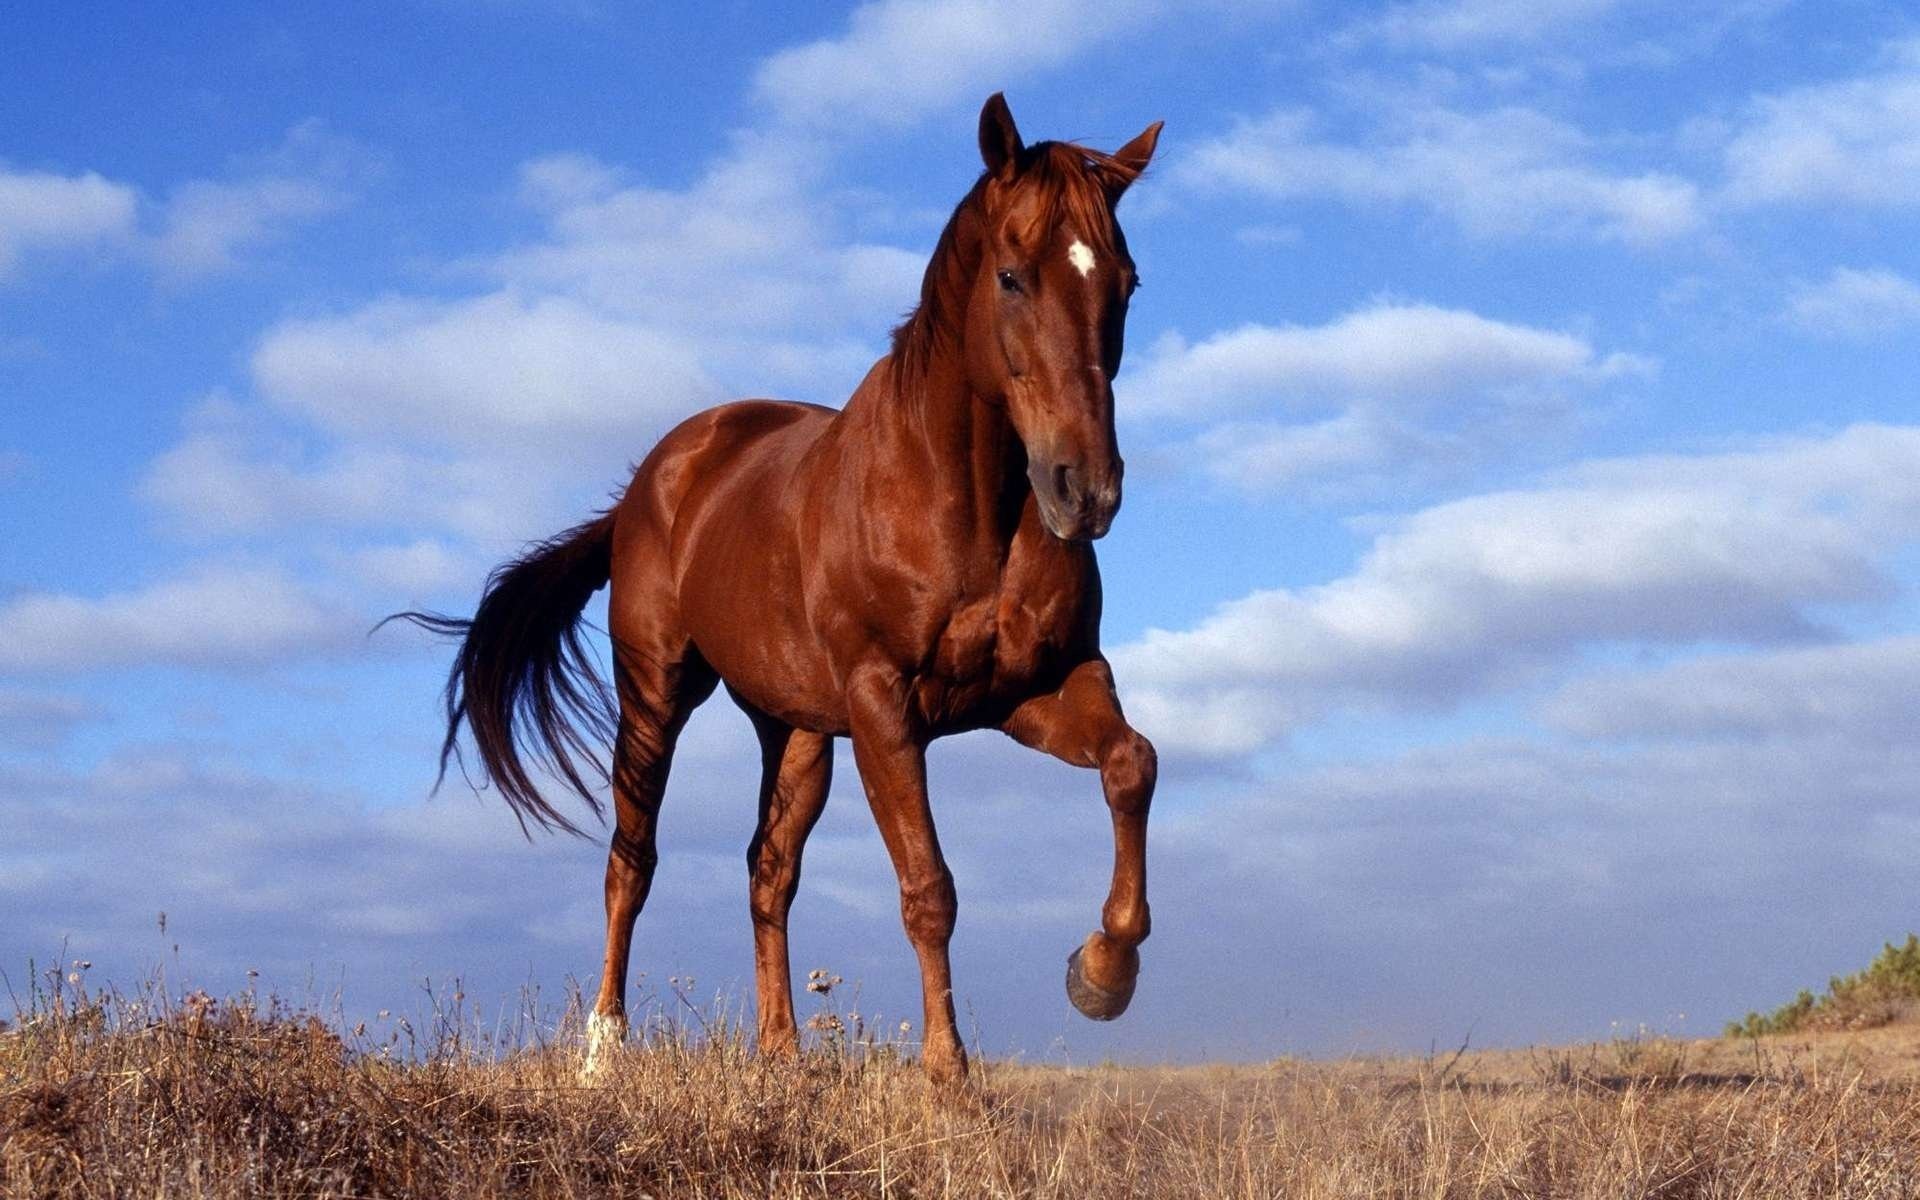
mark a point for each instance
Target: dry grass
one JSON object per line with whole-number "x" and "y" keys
{"x": 116, "y": 1096}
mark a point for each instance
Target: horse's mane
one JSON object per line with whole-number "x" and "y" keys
{"x": 1074, "y": 183}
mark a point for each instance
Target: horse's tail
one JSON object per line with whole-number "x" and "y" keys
{"x": 524, "y": 682}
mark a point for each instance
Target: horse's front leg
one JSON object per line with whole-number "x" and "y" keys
{"x": 890, "y": 751}
{"x": 1082, "y": 724}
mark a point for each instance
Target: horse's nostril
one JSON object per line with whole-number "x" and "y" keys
{"x": 1063, "y": 482}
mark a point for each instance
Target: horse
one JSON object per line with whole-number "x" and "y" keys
{"x": 915, "y": 564}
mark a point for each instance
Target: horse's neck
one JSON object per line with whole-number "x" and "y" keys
{"x": 955, "y": 453}
{"x": 931, "y": 438}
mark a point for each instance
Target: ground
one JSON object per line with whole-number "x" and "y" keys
{"x": 144, "y": 1096}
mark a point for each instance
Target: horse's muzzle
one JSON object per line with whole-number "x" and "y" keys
{"x": 1077, "y": 504}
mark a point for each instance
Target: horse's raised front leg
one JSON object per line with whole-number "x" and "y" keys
{"x": 1082, "y": 724}
{"x": 655, "y": 703}
{"x": 891, "y": 754}
{"x": 796, "y": 771}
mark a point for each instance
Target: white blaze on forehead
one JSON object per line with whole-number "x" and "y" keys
{"x": 1081, "y": 257}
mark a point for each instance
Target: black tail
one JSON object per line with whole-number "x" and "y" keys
{"x": 524, "y": 682}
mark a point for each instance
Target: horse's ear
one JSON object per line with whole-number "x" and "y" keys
{"x": 1135, "y": 155}
{"x": 1000, "y": 143}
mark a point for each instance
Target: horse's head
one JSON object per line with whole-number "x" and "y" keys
{"x": 1046, "y": 317}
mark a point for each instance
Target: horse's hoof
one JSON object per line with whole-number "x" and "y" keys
{"x": 1093, "y": 1000}
{"x": 605, "y": 1032}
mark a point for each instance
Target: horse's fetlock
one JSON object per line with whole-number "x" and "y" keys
{"x": 1128, "y": 925}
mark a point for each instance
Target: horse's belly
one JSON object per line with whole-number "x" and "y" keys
{"x": 747, "y": 618}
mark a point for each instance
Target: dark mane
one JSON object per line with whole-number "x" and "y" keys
{"x": 1074, "y": 183}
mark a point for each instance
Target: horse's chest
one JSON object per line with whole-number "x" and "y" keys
{"x": 1001, "y": 648}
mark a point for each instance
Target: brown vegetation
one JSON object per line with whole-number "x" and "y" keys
{"x": 113, "y": 1096}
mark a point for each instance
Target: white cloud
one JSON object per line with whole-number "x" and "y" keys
{"x": 220, "y": 482}
{"x": 206, "y": 224}
{"x": 1503, "y": 173}
{"x": 221, "y": 617}
{"x": 1855, "y": 141}
{"x": 1361, "y": 451}
{"x": 488, "y": 418}
{"x": 1419, "y": 393}
{"x": 1863, "y": 692}
{"x": 486, "y": 415}
{"x": 418, "y": 568}
{"x": 44, "y": 211}
{"x": 1408, "y": 352}
{"x": 237, "y": 474}
{"x": 1856, "y": 303}
{"x": 747, "y": 250}
{"x": 479, "y": 373}
{"x": 1480, "y": 594}
{"x": 899, "y": 59}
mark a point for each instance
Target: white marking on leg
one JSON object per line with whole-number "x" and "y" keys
{"x": 1081, "y": 257}
{"x": 605, "y": 1032}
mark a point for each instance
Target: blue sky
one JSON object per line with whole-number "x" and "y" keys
{"x": 1517, "y": 570}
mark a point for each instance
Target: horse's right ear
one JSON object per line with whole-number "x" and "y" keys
{"x": 1000, "y": 143}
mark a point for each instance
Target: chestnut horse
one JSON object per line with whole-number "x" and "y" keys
{"x": 916, "y": 564}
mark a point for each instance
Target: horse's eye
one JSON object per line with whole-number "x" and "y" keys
{"x": 1009, "y": 282}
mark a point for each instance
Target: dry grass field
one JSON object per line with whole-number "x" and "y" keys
{"x": 111, "y": 1095}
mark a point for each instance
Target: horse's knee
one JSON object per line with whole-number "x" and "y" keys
{"x": 929, "y": 907}
{"x": 1128, "y": 773}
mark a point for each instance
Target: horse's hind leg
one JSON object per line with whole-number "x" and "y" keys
{"x": 657, "y": 695}
{"x": 796, "y": 770}
{"x": 1081, "y": 724}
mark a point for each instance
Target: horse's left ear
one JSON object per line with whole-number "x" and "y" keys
{"x": 1000, "y": 143}
{"x": 1136, "y": 154}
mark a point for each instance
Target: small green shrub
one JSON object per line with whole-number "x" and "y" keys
{"x": 1886, "y": 990}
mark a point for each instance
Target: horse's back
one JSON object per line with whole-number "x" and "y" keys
{"x": 712, "y": 446}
